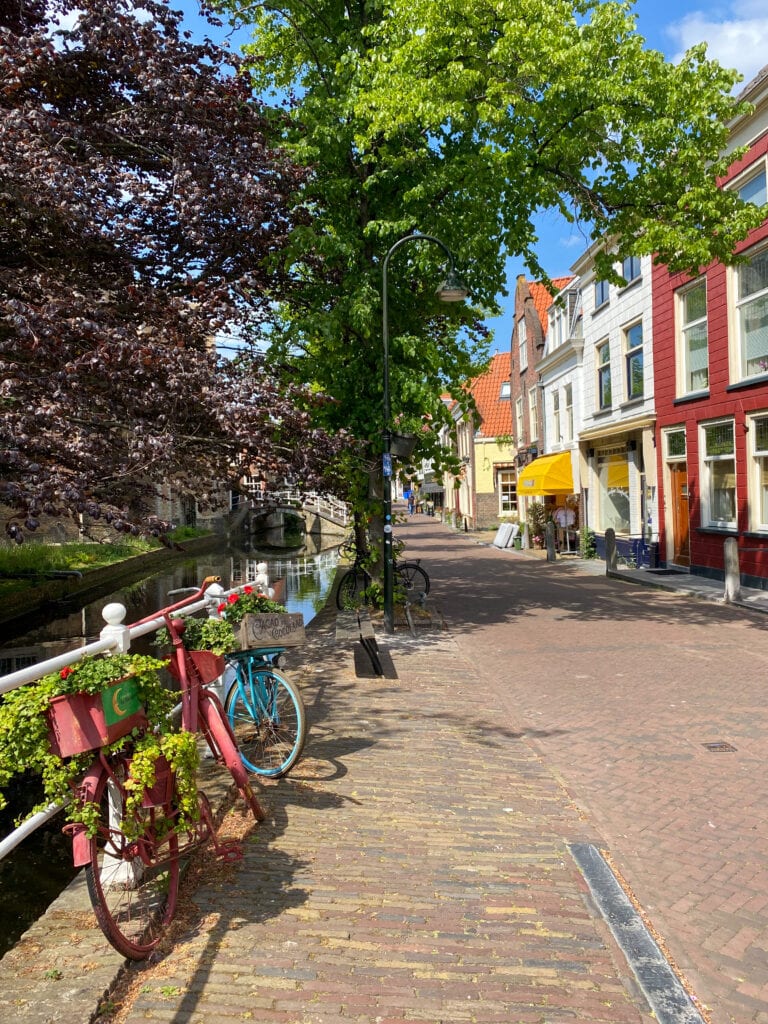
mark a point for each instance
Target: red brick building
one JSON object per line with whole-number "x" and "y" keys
{"x": 711, "y": 378}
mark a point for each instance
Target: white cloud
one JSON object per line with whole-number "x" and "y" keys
{"x": 737, "y": 40}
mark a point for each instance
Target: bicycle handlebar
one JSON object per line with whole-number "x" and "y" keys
{"x": 190, "y": 599}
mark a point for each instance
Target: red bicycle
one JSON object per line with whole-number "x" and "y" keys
{"x": 133, "y": 882}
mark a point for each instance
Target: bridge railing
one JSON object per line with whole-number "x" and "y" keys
{"x": 324, "y": 505}
{"x": 115, "y": 638}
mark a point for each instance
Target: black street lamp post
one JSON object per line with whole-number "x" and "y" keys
{"x": 452, "y": 290}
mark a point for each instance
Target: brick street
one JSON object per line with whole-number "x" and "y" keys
{"x": 415, "y": 865}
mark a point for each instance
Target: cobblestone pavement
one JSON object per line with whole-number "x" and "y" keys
{"x": 415, "y": 865}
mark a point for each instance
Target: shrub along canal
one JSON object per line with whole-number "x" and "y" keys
{"x": 37, "y": 871}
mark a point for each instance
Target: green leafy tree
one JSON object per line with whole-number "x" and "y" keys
{"x": 464, "y": 121}
{"x": 361, "y": 204}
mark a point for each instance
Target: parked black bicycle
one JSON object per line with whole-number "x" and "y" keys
{"x": 352, "y": 591}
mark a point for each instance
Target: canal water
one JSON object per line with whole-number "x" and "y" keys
{"x": 37, "y": 871}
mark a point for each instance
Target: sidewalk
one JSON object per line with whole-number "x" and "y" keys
{"x": 426, "y": 859}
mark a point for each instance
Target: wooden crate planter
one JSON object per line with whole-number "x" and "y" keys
{"x": 78, "y": 722}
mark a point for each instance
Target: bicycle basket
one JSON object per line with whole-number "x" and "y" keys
{"x": 209, "y": 665}
{"x": 84, "y": 721}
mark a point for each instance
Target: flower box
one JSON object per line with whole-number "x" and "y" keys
{"x": 78, "y": 722}
{"x": 272, "y": 629}
{"x": 209, "y": 665}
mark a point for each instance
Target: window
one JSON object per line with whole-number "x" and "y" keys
{"x": 603, "y": 354}
{"x": 522, "y": 342}
{"x": 694, "y": 354}
{"x": 630, "y": 268}
{"x": 633, "y": 356}
{"x": 519, "y": 421}
{"x": 507, "y": 491}
{"x": 601, "y": 293}
{"x": 613, "y": 490}
{"x": 718, "y": 492}
{"x": 752, "y": 314}
{"x": 505, "y": 390}
{"x": 759, "y": 508}
{"x": 533, "y": 419}
{"x": 752, "y": 190}
{"x": 556, "y": 329}
{"x": 556, "y": 417}
{"x": 569, "y": 412}
{"x": 675, "y": 444}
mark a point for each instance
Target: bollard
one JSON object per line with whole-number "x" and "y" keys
{"x": 550, "y": 537}
{"x": 732, "y": 574}
{"x": 611, "y": 557}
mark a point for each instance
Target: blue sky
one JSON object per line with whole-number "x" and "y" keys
{"x": 736, "y": 32}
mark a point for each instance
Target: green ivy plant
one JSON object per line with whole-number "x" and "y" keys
{"x": 216, "y": 635}
{"x": 25, "y": 746}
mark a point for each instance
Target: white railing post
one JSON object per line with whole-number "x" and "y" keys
{"x": 118, "y": 635}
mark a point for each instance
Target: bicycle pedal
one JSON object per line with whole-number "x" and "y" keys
{"x": 230, "y": 851}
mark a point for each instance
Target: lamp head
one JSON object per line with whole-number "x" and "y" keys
{"x": 452, "y": 289}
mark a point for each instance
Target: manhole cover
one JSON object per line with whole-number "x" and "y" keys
{"x": 719, "y": 748}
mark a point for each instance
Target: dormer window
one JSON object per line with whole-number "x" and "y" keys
{"x": 506, "y": 390}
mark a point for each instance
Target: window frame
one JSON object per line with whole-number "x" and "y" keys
{"x": 602, "y": 294}
{"x": 740, "y": 305}
{"x": 684, "y": 329}
{"x": 757, "y": 475}
{"x": 508, "y": 487}
{"x": 755, "y": 170}
{"x": 519, "y": 421}
{"x": 569, "y": 411}
{"x": 557, "y": 439}
{"x": 603, "y": 368}
{"x": 707, "y": 462}
{"x": 522, "y": 344}
{"x": 533, "y": 417}
{"x": 628, "y": 265}
{"x": 631, "y": 355}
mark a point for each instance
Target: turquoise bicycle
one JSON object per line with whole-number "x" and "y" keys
{"x": 266, "y": 712}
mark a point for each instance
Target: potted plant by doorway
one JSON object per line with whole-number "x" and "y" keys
{"x": 536, "y": 517}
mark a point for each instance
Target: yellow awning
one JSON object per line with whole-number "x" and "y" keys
{"x": 549, "y": 474}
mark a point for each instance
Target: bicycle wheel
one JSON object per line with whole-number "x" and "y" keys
{"x": 349, "y": 593}
{"x": 221, "y": 740}
{"x": 133, "y": 886}
{"x": 267, "y": 716}
{"x": 412, "y": 577}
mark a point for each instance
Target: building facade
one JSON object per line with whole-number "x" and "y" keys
{"x": 711, "y": 365}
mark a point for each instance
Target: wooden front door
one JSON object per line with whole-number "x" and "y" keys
{"x": 681, "y": 523}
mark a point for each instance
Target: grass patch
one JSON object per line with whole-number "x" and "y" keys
{"x": 78, "y": 555}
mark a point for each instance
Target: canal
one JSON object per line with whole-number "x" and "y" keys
{"x": 37, "y": 871}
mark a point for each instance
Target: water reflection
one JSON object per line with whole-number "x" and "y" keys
{"x": 63, "y": 626}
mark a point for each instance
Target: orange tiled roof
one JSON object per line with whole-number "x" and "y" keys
{"x": 495, "y": 412}
{"x": 542, "y": 297}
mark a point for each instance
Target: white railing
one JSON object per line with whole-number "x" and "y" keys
{"x": 324, "y": 505}
{"x": 114, "y": 638}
